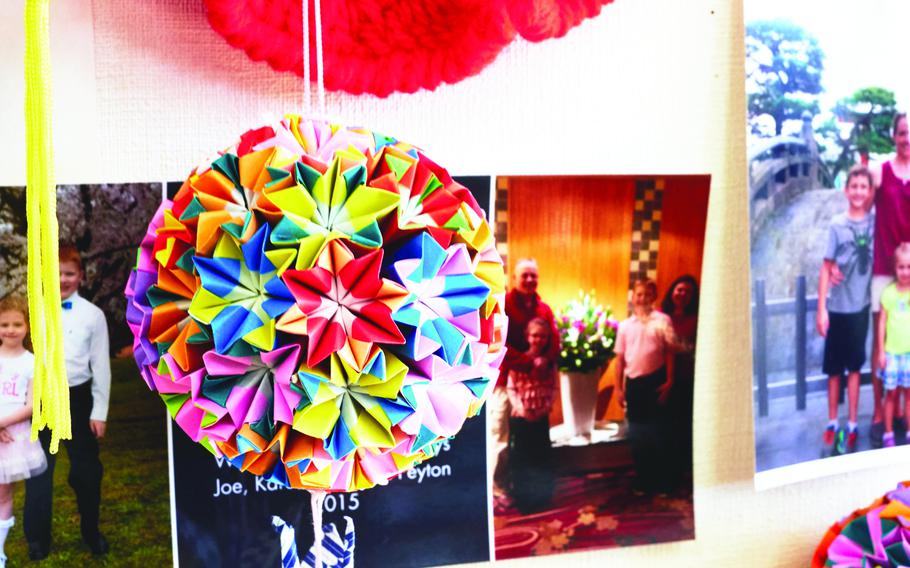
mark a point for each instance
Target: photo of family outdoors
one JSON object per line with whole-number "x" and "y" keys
{"x": 829, "y": 202}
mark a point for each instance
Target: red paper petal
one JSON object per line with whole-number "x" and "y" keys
{"x": 361, "y": 275}
{"x": 325, "y": 337}
{"x": 374, "y": 323}
{"x": 308, "y": 286}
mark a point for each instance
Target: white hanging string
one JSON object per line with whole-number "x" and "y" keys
{"x": 320, "y": 85}
{"x": 305, "y": 19}
{"x": 320, "y": 74}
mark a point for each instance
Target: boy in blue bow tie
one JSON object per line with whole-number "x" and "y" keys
{"x": 88, "y": 371}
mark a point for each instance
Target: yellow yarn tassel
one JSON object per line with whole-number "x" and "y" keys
{"x": 50, "y": 389}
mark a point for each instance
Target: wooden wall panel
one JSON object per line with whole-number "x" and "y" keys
{"x": 578, "y": 229}
{"x": 682, "y": 233}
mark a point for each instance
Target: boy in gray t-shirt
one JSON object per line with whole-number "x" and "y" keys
{"x": 842, "y": 317}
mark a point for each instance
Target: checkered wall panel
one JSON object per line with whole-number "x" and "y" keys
{"x": 646, "y": 222}
{"x": 501, "y": 231}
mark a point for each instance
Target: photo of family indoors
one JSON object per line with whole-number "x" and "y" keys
{"x": 104, "y": 496}
{"x": 590, "y": 422}
{"x": 829, "y": 196}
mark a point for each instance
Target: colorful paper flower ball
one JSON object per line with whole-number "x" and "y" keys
{"x": 877, "y": 535}
{"x": 321, "y": 305}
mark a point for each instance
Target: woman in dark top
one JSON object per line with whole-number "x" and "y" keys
{"x": 681, "y": 304}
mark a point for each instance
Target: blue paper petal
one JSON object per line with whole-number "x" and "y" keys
{"x": 339, "y": 443}
{"x": 231, "y": 324}
{"x": 219, "y": 275}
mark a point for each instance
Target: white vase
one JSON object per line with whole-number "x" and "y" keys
{"x": 578, "y": 392}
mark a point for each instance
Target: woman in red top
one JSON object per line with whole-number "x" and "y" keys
{"x": 681, "y": 304}
{"x": 892, "y": 227}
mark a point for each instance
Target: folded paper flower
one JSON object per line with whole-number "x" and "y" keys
{"x": 384, "y": 46}
{"x": 441, "y": 311}
{"x": 321, "y": 305}
{"x": 877, "y": 535}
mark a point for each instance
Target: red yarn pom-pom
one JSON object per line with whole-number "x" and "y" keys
{"x": 386, "y": 46}
{"x": 537, "y": 20}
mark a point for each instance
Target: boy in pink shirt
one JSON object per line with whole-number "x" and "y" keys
{"x": 644, "y": 351}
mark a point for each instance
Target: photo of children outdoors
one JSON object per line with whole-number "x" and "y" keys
{"x": 116, "y": 462}
{"x": 590, "y": 423}
{"x": 829, "y": 201}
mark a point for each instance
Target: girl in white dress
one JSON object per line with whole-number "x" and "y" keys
{"x": 20, "y": 458}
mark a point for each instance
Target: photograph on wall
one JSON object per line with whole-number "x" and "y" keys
{"x": 100, "y": 227}
{"x": 828, "y": 170}
{"x": 436, "y": 513}
{"x": 590, "y": 423}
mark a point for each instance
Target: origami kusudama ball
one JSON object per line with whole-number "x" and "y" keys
{"x": 877, "y": 535}
{"x": 321, "y": 305}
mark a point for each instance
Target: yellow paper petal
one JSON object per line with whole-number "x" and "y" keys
{"x": 318, "y": 478}
{"x": 371, "y": 431}
{"x": 295, "y": 200}
{"x": 365, "y": 206}
{"x": 317, "y": 420}
{"x": 308, "y": 251}
{"x": 281, "y": 258}
{"x": 262, "y": 337}
{"x": 359, "y": 480}
{"x": 227, "y": 247}
{"x": 205, "y": 305}
{"x": 163, "y": 255}
{"x": 404, "y": 462}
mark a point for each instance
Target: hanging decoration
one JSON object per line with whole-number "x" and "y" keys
{"x": 50, "y": 388}
{"x": 383, "y": 46}
{"x": 877, "y": 535}
{"x": 321, "y": 305}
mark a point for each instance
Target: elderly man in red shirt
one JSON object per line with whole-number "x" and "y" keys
{"x": 522, "y": 305}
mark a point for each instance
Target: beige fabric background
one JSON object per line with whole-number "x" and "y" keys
{"x": 144, "y": 90}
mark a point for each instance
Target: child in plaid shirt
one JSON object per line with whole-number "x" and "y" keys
{"x": 531, "y": 387}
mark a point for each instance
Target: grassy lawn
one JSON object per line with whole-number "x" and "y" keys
{"x": 135, "y": 510}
